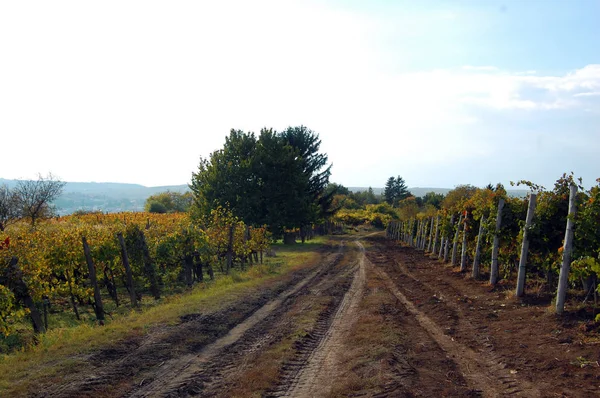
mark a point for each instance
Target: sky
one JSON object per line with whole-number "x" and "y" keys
{"x": 439, "y": 92}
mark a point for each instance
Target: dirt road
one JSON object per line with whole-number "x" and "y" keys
{"x": 372, "y": 319}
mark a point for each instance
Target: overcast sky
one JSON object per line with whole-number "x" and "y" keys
{"x": 439, "y": 92}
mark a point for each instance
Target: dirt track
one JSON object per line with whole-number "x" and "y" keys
{"x": 371, "y": 320}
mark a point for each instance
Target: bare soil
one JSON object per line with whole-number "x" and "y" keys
{"x": 372, "y": 319}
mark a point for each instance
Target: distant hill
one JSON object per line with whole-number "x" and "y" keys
{"x": 114, "y": 197}
{"x": 104, "y": 196}
{"x": 420, "y": 192}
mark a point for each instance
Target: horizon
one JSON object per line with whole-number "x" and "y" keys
{"x": 442, "y": 93}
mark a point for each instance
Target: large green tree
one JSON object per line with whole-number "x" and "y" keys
{"x": 395, "y": 190}
{"x": 277, "y": 179}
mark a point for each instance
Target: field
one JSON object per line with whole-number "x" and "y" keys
{"x": 356, "y": 315}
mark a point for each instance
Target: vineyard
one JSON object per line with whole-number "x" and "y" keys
{"x": 551, "y": 237}
{"x": 69, "y": 267}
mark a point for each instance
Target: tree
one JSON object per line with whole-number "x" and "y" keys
{"x": 434, "y": 199}
{"x": 34, "y": 198}
{"x": 228, "y": 179}
{"x": 9, "y": 211}
{"x": 337, "y": 189}
{"x": 277, "y": 179}
{"x": 395, "y": 190}
{"x": 169, "y": 202}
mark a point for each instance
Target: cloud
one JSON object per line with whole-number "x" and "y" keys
{"x": 491, "y": 87}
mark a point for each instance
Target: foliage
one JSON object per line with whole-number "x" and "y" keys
{"x": 395, "y": 190}
{"x": 277, "y": 179}
{"x": 168, "y": 202}
{"x": 53, "y": 265}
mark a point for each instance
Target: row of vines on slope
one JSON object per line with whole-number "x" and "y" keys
{"x": 486, "y": 230}
{"x": 141, "y": 253}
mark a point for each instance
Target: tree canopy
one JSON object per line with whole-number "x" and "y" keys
{"x": 277, "y": 179}
{"x": 168, "y": 202}
{"x": 395, "y": 190}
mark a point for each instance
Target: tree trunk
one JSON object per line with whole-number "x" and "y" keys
{"x": 563, "y": 278}
{"x": 128, "y": 272}
{"x": 289, "y": 238}
{"x": 455, "y": 244}
{"x": 496, "y": 246}
{"x": 525, "y": 247}
{"x": 475, "y": 272}
{"x": 98, "y": 307}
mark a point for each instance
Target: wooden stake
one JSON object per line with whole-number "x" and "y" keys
{"x": 563, "y": 278}
{"x": 496, "y": 245}
{"x": 525, "y": 247}
{"x": 475, "y": 272}
{"x": 98, "y": 307}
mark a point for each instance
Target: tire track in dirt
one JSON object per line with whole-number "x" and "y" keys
{"x": 223, "y": 373}
{"x": 487, "y": 375}
{"x": 318, "y": 368}
{"x": 174, "y": 378}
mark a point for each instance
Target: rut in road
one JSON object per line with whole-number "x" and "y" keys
{"x": 313, "y": 378}
{"x": 486, "y": 375}
{"x": 176, "y": 375}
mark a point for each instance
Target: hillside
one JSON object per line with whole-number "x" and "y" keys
{"x": 114, "y": 197}
{"x": 104, "y": 196}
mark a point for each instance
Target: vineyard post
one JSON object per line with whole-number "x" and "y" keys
{"x": 496, "y": 246}
{"x": 447, "y": 242}
{"x": 230, "y": 249}
{"x": 475, "y": 272}
{"x": 198, "y": 267}
{"x": 188, "y": 264}
{"x": 425, "y": 233}
{"x": 525, "y": 246}
{"x": 411, "y": 231}
{"x": 455, "y": 243}
{"x": 463, "y": 254}
{"x": 149, "y": 267}
{"x": 98, "y": 307}
{"x": 128, "y": 273}
{"x": 563, "y": 278}
{"x": 430, "y": 236}
{"x": 418, "y": 235}
{"x": 14, "y": 277}
{"x": 435, "y": 236}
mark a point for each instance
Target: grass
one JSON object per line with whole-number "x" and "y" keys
{"x": 61, "y": 350}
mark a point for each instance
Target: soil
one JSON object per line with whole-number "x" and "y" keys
{"x": 374, "y": 318}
